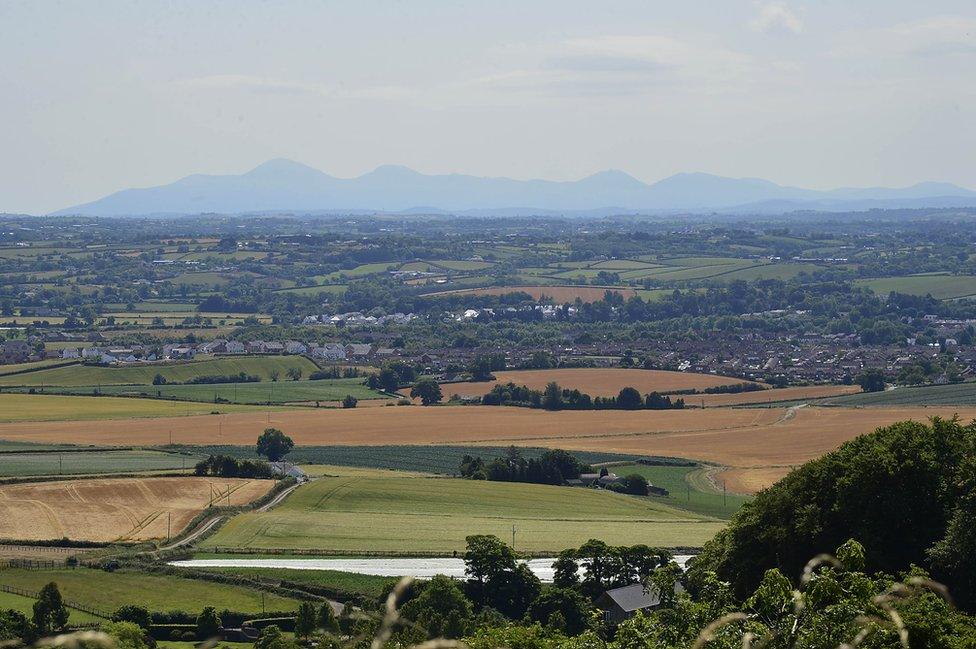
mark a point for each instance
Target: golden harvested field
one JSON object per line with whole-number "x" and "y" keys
{"x": 560, "y": 294}
{"x": 117, "y": 509}
{"x": 769, "y": 396}
{"x": 602, "y": 382}
{"x": 762, "y": 442}
{"x": 387, "y": 425}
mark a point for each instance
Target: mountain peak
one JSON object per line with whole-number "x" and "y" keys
{"x": 281, "y": 167}
{"x": 285, "y": 185}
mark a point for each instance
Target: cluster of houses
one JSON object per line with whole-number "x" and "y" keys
{"x": 547, "y": 311}
{"x": 358, "y": 319}
{"x": 334, "y": 352}
{"x": 16, "y": 351}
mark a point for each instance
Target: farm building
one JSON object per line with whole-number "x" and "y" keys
{"x": 619, "y": 604}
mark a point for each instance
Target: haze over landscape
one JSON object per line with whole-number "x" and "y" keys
{"x": 428, "y": 324}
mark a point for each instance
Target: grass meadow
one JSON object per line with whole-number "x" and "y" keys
{"x": 383, "y": 512}
{"x": 110, "y": 590}
{"x": 47, "y": 407}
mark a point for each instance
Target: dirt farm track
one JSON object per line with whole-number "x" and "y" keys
{"x": 759, "y": 445}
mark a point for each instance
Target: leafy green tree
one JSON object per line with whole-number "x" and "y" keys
{"x": 486, "y": 557}
{"x": 327, "y": 620}
{"x": 634, "y": 484}
{"x": 275, "y": 375}
{"x": 159, "y": 379}
{"x": 208, "y": 623}
{"x": 127, "y": 635}
{"x": 562, "y": 609}
{"x": 272, "y": 638}
{"x": 132, "y": 613}
{"x": 274, "y": 444}
{"x": 305, "y": 620}
{"x": 897, "y": 490}
{"x": 14, "y": 625}
{"x": 50, "y": 612}
{"x": 552, "y": 396}
{"x": 629, "y": 399}
{"x": 566, "y": 570}
{"x": 349, "y": 401}
{"x": 871, "y": 380}
{"x": 294, "y": 373}
{"x": 428, "y": 390}
{"x": 441, "y": 609}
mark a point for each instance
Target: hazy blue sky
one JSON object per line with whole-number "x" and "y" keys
{"x": 98, "y": 96}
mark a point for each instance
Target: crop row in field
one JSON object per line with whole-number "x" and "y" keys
{"x": 385, "y": 512}
{"x": 91, "y": 462}
{"x": 115, "y": 509}
{"x": 962, "y": 394}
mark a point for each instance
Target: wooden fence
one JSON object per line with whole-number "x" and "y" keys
{"x": 23, "y": 592}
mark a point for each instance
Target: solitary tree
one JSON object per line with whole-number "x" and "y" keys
{"x": 428, "y": 390}
{"x": 275, "y": 374}
{"x": 294, "y": 373}
{"x": 350, "y": 401}
{"x": 274, "y": 444}
{"x": 50, "y": 613}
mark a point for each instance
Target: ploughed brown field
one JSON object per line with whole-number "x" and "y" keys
{"x": 602, "y": 382}
{"x": 115, "y": 509}
{"x": 559, "y": 294}
{"x": 759, "y": 444}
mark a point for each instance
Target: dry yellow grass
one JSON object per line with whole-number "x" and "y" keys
{"x": 388, "y": 425}
{"x": 124, "y": 509}
{"x": 596, "y": 381}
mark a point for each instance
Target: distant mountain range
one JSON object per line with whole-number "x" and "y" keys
{"x": 286, "y": 186}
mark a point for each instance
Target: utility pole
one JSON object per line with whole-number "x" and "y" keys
{"x": 513, "y": 535}
{"x": 60, "y": 464}
{"x": 169, "y": 520}
{"x": 725, "y": 501}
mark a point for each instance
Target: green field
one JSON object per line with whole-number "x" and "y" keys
{"x": 363, "y": 510}
{"x": 958, "y": 394}
{"x": 16, "y": 368}
{"x": 47, "y": 407}
{"x": 343, "y": 585}
{"x": 88, "y": 375}
{"x": 438, "y": 459}
{"x": 110, "y": 590}
{"x": 942, "y": 287}
{"x": 689, "y": 487}
{"x": 90, "y": 462}
{"x": 362, "y": 270}
{"x": 26, "y": 606}
{"x": 265, "y": 392}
